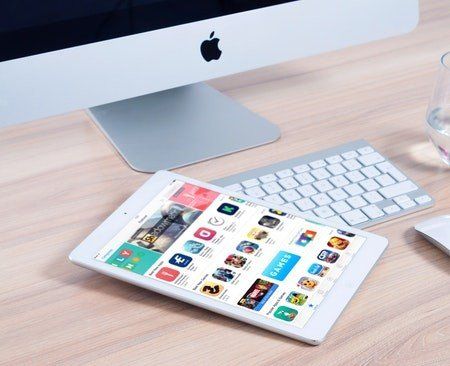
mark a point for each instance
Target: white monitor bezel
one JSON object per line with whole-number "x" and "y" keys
{"x": 99, "y": 73}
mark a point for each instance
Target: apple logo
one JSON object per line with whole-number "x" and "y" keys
{"x": 210, "y": 48}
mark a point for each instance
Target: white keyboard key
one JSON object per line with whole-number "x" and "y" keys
{"x": 372, "y": 211}
{"x": 391, "y": 209}
{"x": 354, "y": 176}
{"x": 288, "y": 183}
{"x": 337, "y": 220}
{"x": 370, "y": 159}
{"x": 234, "y": 187}
{"x": 349, "y": 155}
{"x": 255, "y": 192}
{"x": 333, "y": 159}
{"x": 407, "y": 204}
{"x": 340, "y": 207}
{"x": 422, "y": 199}
{"x": 305, "y": 204}
{"x": 317, "y": 164}
{"x": 275, "y": 199}
{"x": 337, "y": 194}
{"x": 370, "y": 171}
{"x": 387, "y": 167}
{"x": 301, "y": 168}
{"x": 304, "y": 178}
{"x": 324, "y": 212}
{"x": 402, "y": 198}
{"x": 369, "y": 185}
{"x": 272, "y": 187}
{"x": 309, "y": 215}
{"x": 339, "y": 181}
{"x": 336, "y": 169}
{"x": 250, "y": 183}
{"x": 398, "y": 189}
{"x": 290, "y": 195}
{"x": 354, "y": 217}
{"x": 268, "y": 178}
{"x": 354, "y": 189}
{"x": 365, "y": 150}
{"x": 385, "y": 180}
{"x": 352, "y": 164}
{"x": 356, "y": 202}
{"x": 321, "y": 199}
{"x": 320, "y": 173}
{"x": 373, "y": 197}
{"x": 291, "y": 206}
{"x": 284, "y": 173}
{"x": 307, "y": 190}
{"x": 323, "y": 185}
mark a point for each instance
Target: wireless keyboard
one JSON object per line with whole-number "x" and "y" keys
{"x": 350, "y": 184}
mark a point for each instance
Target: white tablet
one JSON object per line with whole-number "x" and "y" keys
{"x": 232, "y": 254}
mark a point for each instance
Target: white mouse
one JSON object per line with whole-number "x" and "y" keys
{"x": 437, "y": 231}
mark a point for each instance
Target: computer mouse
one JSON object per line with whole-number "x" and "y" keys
{"x": 437, "y": 231}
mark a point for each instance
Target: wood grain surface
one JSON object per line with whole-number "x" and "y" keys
{"x": 60, "y": 179}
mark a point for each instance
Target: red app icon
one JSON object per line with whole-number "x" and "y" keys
{"x": 126, "y": 253}
{"x": 204, "y": 233}
{"x": 167, "y": 274}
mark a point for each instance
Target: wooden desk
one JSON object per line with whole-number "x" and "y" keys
{"x": 60, "y": 179}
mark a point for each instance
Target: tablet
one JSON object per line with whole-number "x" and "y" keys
{"x": 232, "y": 254}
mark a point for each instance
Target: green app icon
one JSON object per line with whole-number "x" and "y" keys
{"x": 133, "y": 258}
{"x": 285, "y": 313}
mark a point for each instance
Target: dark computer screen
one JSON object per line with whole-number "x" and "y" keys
{"x": 29, "y": 27}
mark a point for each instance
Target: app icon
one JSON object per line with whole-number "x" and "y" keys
{"x": 277, "y": 212}
{"x": 133, "y": 258}
{"x": 318, "y": 269}
{"x": 216, "y": 221}
{"x": 224, "y": 274}
{"x": 306, "y": 238}
{"x": 338, "y": 243}
{"x": 297, "y": 298}
{"x": 281, "y": 265}
{"x": 307, "y": 283}
{"x": 346, "y": 233}
{"x": 235, "y": 260}
{"x": 204, "y": 233}
{"x": 126, "y": 253}
{"x": 180, "y": 260}
{"x": 211, "y": 288}
{"x": 285, "y": 313}
{"x": 193, "y": 247}
{"x": 269, "y": 221}
{"x": 247, "y": 247}
{"x": 258, "y": 294}
{"x": 328, "y": 256}
{"x": 167, "y": 274}
{"x": 257, "y": 234}
{"x": 228, "y": 209}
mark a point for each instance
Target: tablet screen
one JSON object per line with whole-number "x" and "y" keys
{"x": 266, "y": 261}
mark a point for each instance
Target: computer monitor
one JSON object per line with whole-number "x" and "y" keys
{"x": 137, "y": 64}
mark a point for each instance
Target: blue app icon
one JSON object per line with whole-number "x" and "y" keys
{"x": 180, "y": 260}
{"x": 194, "y": 247}
{"x": 281, "y": 265}
{"x": 315, "y": 268}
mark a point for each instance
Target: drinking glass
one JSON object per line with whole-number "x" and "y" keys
{"x": 438, "y": 114}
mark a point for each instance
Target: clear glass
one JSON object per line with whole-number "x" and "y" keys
{"x": 438, "y": 114}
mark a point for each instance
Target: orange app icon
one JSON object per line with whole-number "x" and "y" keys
{"x": 257, "y": 234}
{"x": 211, "y": 288}
{"x": 338, "y": 243}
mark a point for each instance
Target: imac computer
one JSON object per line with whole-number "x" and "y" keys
{"x": 137, "y": 66}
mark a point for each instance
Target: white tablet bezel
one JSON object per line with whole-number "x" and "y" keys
{"x": 315, "y": 329}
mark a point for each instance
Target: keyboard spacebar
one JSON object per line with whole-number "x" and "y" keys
{"x": 398, "y": 189}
